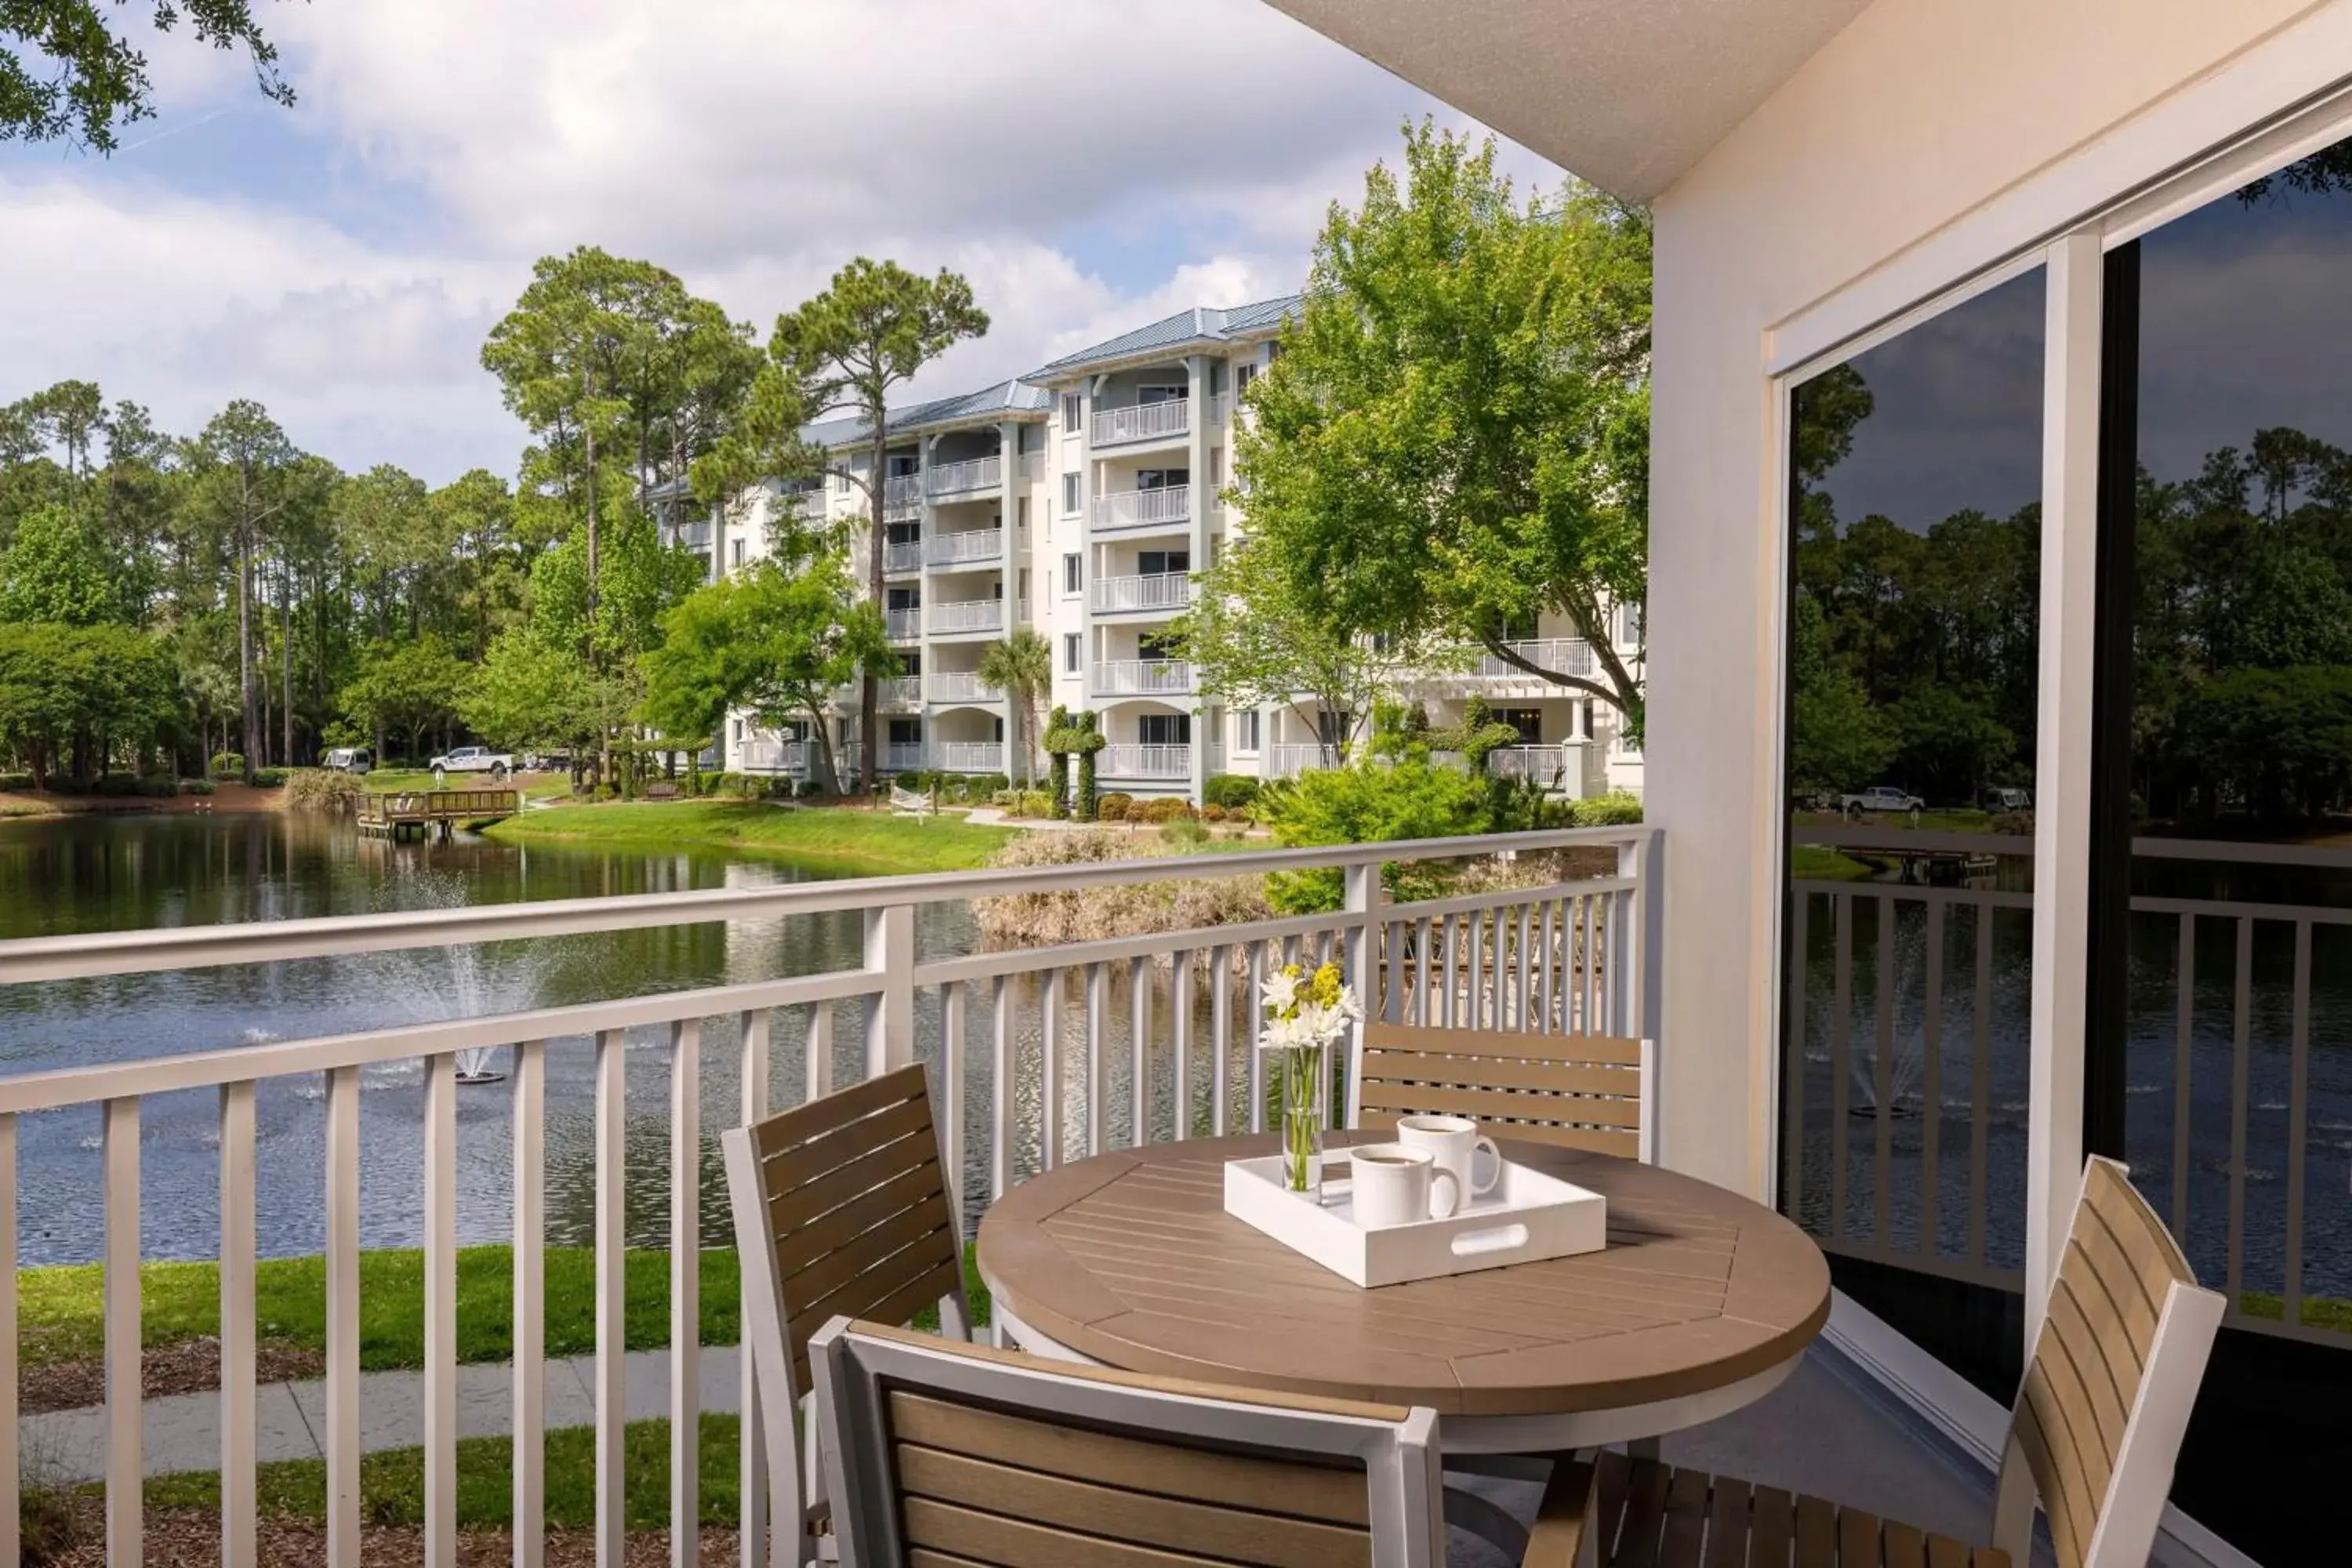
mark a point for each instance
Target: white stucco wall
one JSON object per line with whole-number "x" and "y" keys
{"x": 1927, "y": 141}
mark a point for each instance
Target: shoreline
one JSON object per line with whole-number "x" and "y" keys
{"x": 845, "y": 840}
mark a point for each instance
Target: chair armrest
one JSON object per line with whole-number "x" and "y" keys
{"x": 1567, "y": 1530}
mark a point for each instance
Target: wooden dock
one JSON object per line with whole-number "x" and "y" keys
{"x": 399, "y": 813}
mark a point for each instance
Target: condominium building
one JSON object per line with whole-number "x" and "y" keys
{"x": 1079, "y": 500}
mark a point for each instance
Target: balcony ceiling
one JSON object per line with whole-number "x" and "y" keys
{"x": 1628, "y": 94}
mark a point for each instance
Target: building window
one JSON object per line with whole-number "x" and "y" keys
{"x": 1242, "y": 375}
{"x": 1074, "y": 573}
{"x": 1527, "y": 721}
{"x": 1164, "y": 730}
{"x": 1021, "y": 512}
{"x": 1629, "y": 625}
{"x": 1069, "y": 494}
{"x": 1245, "y": 729}
{"x": 1073, "y": 648}
{"x": 735, "y": 553}
{"x": 739, "y": 731}
{"x": 1073, "y": 412}
{"x": 1216, "y": 467}
{"x": 1164, "y": 392}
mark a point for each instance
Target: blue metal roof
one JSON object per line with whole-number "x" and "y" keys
{"x": 1006, "y": 398}
{"x": 1204, "y": 324}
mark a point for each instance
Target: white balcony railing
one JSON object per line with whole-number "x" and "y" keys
{"x": 1141, "y": 677}
{"x": 1290, "y": 759}
{"x": 904, "y": 624}
{"x": 1149, "y": 591}
{"x": 1143, "y": 509}
{"x": 625, "y": 1088}
{"x": 969, "y": 756}
{"x": 1117, "y": 761}
{"x": 1550, "y": 766}
{"x": 902, "y": 493}
{"x": 903, "y": 556}
{"x": 775, "y": 757}
{"x": 966, "y": 615}
{"x": 959, "y": 685}
{"x": 1143, "y": 422}
{"x": 972, "y": 474}
{"x": 1569, "y": 656}
{"x": 972, "y": 544}
{"x": 902, "y": 756}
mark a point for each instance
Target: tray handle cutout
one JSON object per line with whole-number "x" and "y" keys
{"x": 1494, "y": 1238}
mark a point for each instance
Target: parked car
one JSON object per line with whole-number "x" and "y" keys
{"x": 350, "y": 759}
{"x": 472, "y": 759}
{"x": 546, "y": 762}
{"x": 2000, "y": 800}
{"x": 1880, "y": 797}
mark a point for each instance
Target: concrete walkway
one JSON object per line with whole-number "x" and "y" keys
{"x": 182, "y": 1430}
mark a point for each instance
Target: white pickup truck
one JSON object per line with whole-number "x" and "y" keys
{"x": 1880, "y": 797}
{"x": 473, "y": 760}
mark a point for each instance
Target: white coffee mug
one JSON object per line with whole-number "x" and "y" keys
{"x": 1455, "y": 1143}
{"x": 1393, "y": 1185}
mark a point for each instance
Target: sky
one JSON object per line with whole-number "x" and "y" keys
{"x": 1089, "y": 167}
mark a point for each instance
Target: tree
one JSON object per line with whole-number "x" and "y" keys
{"x": 408, "y": 686}
{"x": 534, "y": 693}
{"x": 1022, "y": 666}
{"x": 79, "y": 690}
{"x": 873, "y": 328}
{"x": 90, "y": 81}
{"x": 1259, "y": 633}
{"x": 1455, "y": 437}
{"x": 247, "y": 458}
{"x": 52, "y": 571}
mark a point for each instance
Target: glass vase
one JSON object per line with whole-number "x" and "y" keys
{"x": 1306, "y": 1112}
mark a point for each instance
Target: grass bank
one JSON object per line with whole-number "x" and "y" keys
{"x": 849, "y": 841}
{"x": 534, "y": 786}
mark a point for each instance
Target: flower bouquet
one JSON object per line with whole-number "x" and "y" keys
{"x": 1307, "y": 1012}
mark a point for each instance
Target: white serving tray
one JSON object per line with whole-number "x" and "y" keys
{"x": 1528, "y": 1216}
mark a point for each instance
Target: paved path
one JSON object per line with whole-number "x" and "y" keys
{"x": 182, "y": 1430}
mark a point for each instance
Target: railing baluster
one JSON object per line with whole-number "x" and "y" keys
{"x": 1544, "y": 969}
{"x": 1882, "y": 1083}
{"x": 1425, "y": 954}
{"x": 440, "y": 1311}
{"x": 1138, "y": 984}
{"x": 1098, "y": 999}
{"x": 612, "y": 1293}
{"x": 953, "y": 999}
{"x": 1180, "y": 1029}
{"x": 2298, "y": 1098}
{"x": 1049, "y": 1076}
{"x": 1000, "y": 1070}
{"x": 238, "y": 1395}
{"x": 1931, "y": 1081}
{"x": 531, "y": 1303}
{"x": 1476, "y": 1002}
{"x": 1221, "y": 1038}
{"x": 1793, "y": 1065}
{"x": 1452, "y": 1018}
{"x": 1522, "y": 960}
{"x": 11, "y": 1478}
{"x": 2183, "y": 1038}
{"x": 686, "y": 1292}
{"x": 1589, "y": 952}
{"x": 125, "y": 1519}
{"x": 819, "y": 1051}
{"x": 1840, "y": 1032}
{"x": 2240, "y": 1051}
{"x": 343, "y": 1434}
{"x": 1980, "y": 1089}
{"x": 1250, "y": 1053}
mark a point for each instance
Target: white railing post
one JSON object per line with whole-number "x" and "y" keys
{"x": 342, "y": 1439}
{"x": 612, "y": 1293}
{"x": 752, "y": 1488}
{"x": 441, "y": 1311}
{"x": 1637, "y": 1006}
{"x": 530, "y": 1304}
{"x": 1363, "y": 904}
{"x": 890, "y": 1013}
{"x": 11, "y": 1518}
{"x": 237, "y": 1326}
{"x": 685, "y": 1293}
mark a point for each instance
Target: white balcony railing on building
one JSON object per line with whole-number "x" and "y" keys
{"x": 1143, "y": 509}
{"x": 898, "y": 691}
{"x": 1032, "y": 466}
{"x": 1290, "y": 759}
{"x": 1117, "y": 761}
{"x": 959, "y": 685}
{"x": 972, "y": 474}
{"x": 972, "y": 544}
{"x": 966, "y": 615}
{"x": 1147, "y": 591}
{"x": 1143, "y": 422}
{"x": 902, "y": 492}
{"x": 775, "y": 757}
{"x": 1141, "y": 677}
{"x": 627, "y": 1089}
{"x": 1570, "y": 656}
{"x": 903, "y": 556}
{"x": 969, "y": 756}
{"x": 902, "y": 756}
{"x": 904, "y": 624}
{"x": 1553, "y": 767}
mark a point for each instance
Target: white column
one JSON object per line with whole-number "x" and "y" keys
{"x": 1008, "y": 502}
{"x": 2062, "y": 837}
{"x": 1197, "y": 373}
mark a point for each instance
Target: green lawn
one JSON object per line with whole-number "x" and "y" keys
{"x": 534, "y": 786}
{"x": 853, "y": 842}
{"x": 60, "y": 1308}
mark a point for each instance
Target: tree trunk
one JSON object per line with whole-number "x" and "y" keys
{"x": 286, "y": 660}
{"x": 251, "y": 731}
{"x": 823, "y": 733}
{"x": 869, "y": 689}
{"x": 593, "y": 557}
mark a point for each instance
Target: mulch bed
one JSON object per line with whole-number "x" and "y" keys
{"x": 189, "y": 1537}
{"x": 191, "y": 1367}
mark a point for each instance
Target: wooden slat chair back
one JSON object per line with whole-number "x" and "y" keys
{"x": 949, "y": 1456}
{"x": 1580, "y": 1091}
{"x": 842, "y": 1206}
{"x": 2106, "y": 1398}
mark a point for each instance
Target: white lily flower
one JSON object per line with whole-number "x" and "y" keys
{"x": 1281, "y": 991}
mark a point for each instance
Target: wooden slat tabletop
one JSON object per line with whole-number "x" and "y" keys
{"x": 1129, "y": 1258}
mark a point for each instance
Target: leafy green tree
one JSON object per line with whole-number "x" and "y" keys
{"x": 89, "y": 81}
{"x": 246, "y": 462}
{"x": 537, "y": 693}
{"x": 407, "y": 686}
{"x": 1410, "y": 798}
{"x": 77, "y": 692}
{"x": 875, "y": 327}
{"x": 1022, "y": 667}
{"x": 1455, "y": 437}
{"x": 52, "y": 571}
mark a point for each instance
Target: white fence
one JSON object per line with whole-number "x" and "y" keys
{"x": 1143, "y": 422}
{"x": 967, "y": 615}
{"x": 1159, "y": 508}
{"x": 959, "y": 685}
{"x": 969, "y": 756}
{"x": 972, "y": 544}
{"x": 1141, "y": 677}
{"x": 1146, "y": 591}
{"x": 972, "y": 474}
{"x": 902, "y": 493}
{"x": 904, "y": 624}
{"x": 1146, "y": 761}
{"x": 1567, "y": 956}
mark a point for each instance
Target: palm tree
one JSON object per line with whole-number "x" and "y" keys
{"x": 1022, "y": 666}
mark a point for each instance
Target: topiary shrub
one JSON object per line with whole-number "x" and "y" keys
{"x": 1167, "y": 809}
{"x": 229, "y": 766}
{"x": 1114, "y": 807}
{"x": 1229, "y": 790}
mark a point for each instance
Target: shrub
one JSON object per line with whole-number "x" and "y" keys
{"x": 1615, "y": 809}
{"x": 1035, "y": 803}
{"x": 196, "y": 786}
{"x": 16, "y": 780}
{"x": 1114, "y": 807}
{"x": 1412, "y": 799}
{"x": 323, "y": 789}
{"x": 114, "y": 784}
{"x": 1213, "y": 811}
{"x": 997, "y": 783}
{"x": 1167, "y": 808}
{"x": 1188, "y": 900}
{"x": 1183, "y": 834}
{"x": 806, "y": 788}
{"x": 1229, "y": 790}
{"x": 269, "y": 778}
{"x": 158, "y": 786}
{"x": 229, "y": 766}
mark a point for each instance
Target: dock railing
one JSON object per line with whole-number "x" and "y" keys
{"x": 1032, "y": 1064}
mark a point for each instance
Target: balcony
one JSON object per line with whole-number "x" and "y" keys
{"x": 1552, "y": 767}
{"x": 1140, "y": 678}
{"x": 1143, "y": 422}
{"x": 902, "y": 556}
{"x": 1152, "y": 591}
{"x": 952, "y": 615}
{"x": 904, "y": 625}
{"x": 1491, "y": 675}
{"x": 902, "y": 494}
{"x": 775, "y": 757}
{"x": 1291, "y": 759}
{"x": 970, "y": 547}
{"x": 903, "y": 756}
{"x": 1118, "y": 761}
{"x": 1166, "y": 507}
{"x": 963, "y": 479}
{"x": 969, "y": 756}
{"x": 959, "y": 685}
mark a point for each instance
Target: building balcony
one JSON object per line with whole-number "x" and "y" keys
{"x": 902, "y": 557}
{"x": 1494, "y": 676}
{"x": 1143, "y": 422}
{"x": 1291, "y": 759}
{"x": 901, "y": 691}
{"x": 904, "y": 625}
{"x": 1140, "y": 678}
{"x": 1150, "y": 591}
{"x": 959, "y": 685}
{"x": 970, "y": 547}
{"x": 969, "y": 756}
{"x": 1169, "y": 506}
{"x": 1122, "y": 762}
{"x": 1553, "y": 767}
{"x": 973, "y": 474}
{"x": 775, "y": 757}
{"x": 952, "y": 615}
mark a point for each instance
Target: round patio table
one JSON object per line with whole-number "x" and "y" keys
{"x": 1701, "y": 1302}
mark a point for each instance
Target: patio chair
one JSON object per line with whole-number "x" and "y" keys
{"x": 841, "y": 1206}
{"x": 2093, "y": 1436}
{"x": 945, "y": 1455}
{"x": 1580, "y": 1091}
